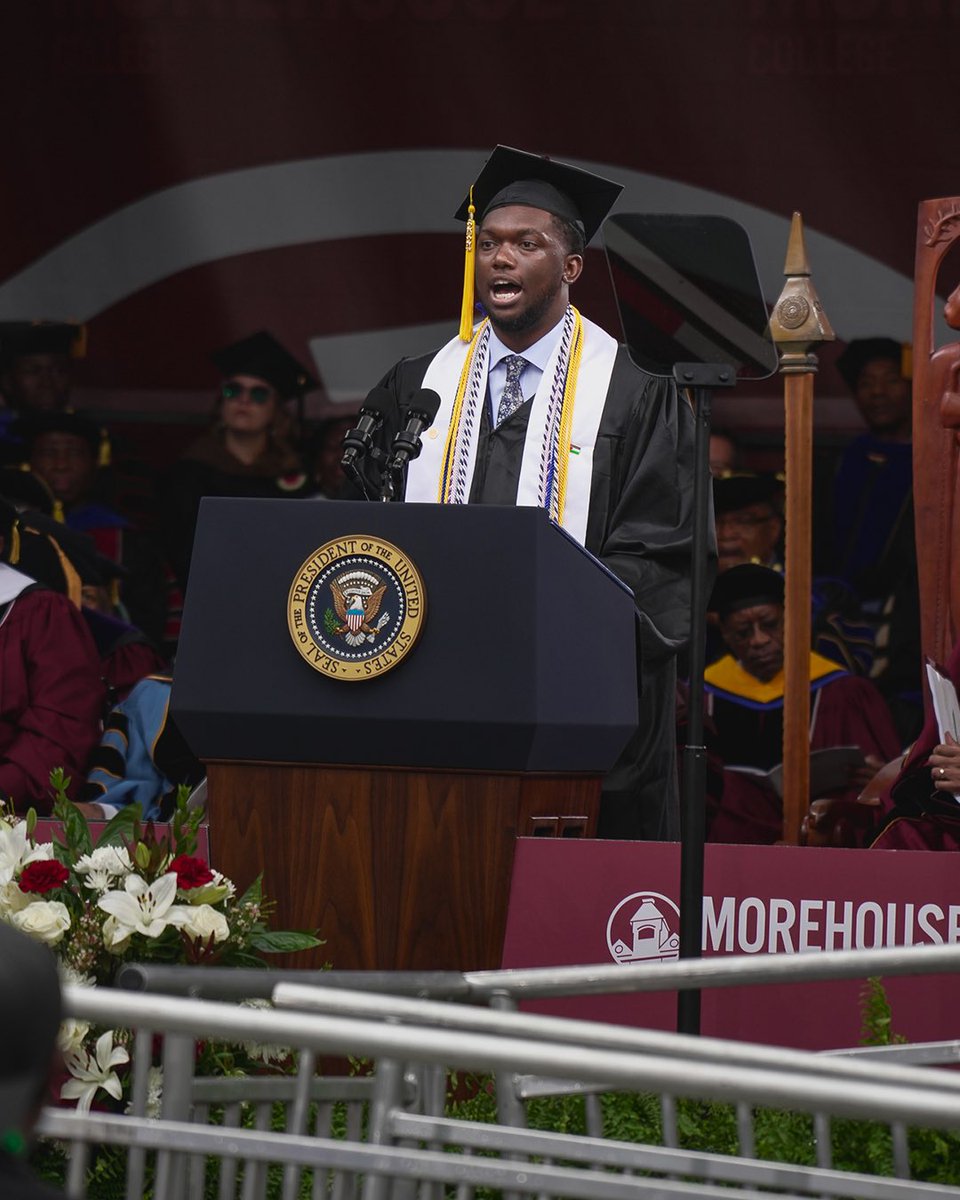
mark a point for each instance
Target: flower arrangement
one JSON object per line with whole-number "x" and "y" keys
{"x": 137, "y": 896}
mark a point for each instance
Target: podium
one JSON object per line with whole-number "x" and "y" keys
{"x": 384, "y": 811}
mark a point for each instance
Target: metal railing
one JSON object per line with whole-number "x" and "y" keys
{"x": 402, "y": 1143}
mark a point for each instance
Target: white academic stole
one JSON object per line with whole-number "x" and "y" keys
{"x": 557, "y": 465}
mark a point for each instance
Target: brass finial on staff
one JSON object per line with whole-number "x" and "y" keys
{"x": 798, "y": 325}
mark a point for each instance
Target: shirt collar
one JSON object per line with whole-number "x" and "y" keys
{"x": 538, "y": 355}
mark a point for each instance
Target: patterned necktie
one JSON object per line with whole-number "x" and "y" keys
{"x": 511, "y": 397}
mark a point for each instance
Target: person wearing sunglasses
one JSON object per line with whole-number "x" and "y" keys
{"x": 249, "y": 451}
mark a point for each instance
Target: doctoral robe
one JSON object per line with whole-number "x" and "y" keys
{"x": 639, "y": 524}
{"x": 914, "y": 814}
{"x": 747, "y": 716}
{"x": 51, "y": 696}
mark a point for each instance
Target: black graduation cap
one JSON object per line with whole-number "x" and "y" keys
{"x": 262, "y": 356}
{"x": 18, "y": 338}
{"x": 30, "y": 1005}
{"x": 23, "y": 489}
{"x": 515, "y": 177}
{"x": 78, "y": 548}
{"x": 29, "y": 428}
{"x": 738, "y": 489}
{"x": 745, "y": 586}
{"x": 861, "y": 351}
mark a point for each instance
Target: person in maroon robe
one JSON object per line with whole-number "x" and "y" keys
{"x": 919, "y": 810}
{"x": 51, "y": 693}
{"x": 745, "y": 704}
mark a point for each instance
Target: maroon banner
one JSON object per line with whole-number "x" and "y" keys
{"x": 585, "y": 902}
{"x": 45, "y": 831}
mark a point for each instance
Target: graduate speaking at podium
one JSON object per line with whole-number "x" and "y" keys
{"x": 539, "y": 406}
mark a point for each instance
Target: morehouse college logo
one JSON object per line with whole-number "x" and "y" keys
{"x": 644, "y": 927}
{"x": 355, "y": 608}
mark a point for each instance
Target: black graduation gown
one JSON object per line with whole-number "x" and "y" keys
{"x": 640, "y": 525}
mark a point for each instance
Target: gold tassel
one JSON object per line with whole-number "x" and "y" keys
{"x": 469, "y": 257}
{"x": 14, "y": 544}
{"x": 70, "y": 574}
{"x": 58, "y": 514}
{"x": 103, "y": 458}
{"x": 906, "y": 360}
{"x": 78, "y": 347}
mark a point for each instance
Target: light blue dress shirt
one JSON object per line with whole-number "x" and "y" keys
{"x": 537, "y": 356}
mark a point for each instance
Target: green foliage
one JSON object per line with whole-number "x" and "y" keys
{"x": 876, "y": 1018}
{"x": 282, "y": 941}
{"x": 331, "y": 622}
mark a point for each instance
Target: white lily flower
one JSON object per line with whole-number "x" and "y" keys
{"x": 102, "y": 866}
{"x": 71, "y": 1035}
{"x": 142, "y": 907}
{"x": 16, "y": 851}
{"x": 116, "y": 937}
{"x": 11, "y": 899}
{"x": 91, "y": 1072}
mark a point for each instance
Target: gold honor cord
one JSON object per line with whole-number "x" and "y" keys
{"x": 566, "y": 415}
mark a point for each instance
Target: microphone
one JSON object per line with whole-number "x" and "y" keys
{"x": 420, "y": 414}
{"x": 357, "y": 442}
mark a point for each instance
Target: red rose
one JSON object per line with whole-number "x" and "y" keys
{"x": 44, "y": 876}
{"x": 191, "y": 872}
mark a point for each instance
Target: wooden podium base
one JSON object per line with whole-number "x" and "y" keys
{"x": 397, "y": 869}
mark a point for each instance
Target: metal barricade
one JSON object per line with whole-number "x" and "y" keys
{"x": 408, "y": 1152}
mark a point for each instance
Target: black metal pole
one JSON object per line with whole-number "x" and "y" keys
{"x": 692, "y": 822}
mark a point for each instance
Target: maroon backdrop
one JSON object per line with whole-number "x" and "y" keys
{"x": 839, "y": 108}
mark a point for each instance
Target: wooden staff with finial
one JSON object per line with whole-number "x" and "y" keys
{"x": 798, "y": 325}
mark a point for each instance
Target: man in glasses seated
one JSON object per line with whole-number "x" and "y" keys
{"x": 249, "y": 451}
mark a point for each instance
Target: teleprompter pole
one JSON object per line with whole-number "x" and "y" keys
{"x": 798, "y": 325}
{"x": 699, "y": 379}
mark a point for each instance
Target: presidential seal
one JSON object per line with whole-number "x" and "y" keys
{"x": 356, "y": 608}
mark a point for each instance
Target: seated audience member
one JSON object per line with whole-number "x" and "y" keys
{"x": 326, "y": 451}
{"x": 745, "y": 703}
{"x": 62, "y": 451}
{"x": 35, "y": 361}
{"x": 871, "y": 523}
{"x": 142, "y": 757}
{"x": 749, "y": 517}
{"x": 51, "y": 694}
{"x": 749, "y": 520}
{"x": 249, "y": 451}
{"x": 126, "y": 654}
{"x": 724, "y": 453}
{"x": 30, "y": 1013}
{"x": 913, "y": 804}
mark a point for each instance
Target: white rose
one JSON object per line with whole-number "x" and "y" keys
{"x": 200, "y": 921}
{"x": 45, "y": 920}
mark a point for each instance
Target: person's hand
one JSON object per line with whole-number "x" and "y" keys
{"x": 838, "y": 822}
{"x": 861, "y": 777}
{"x": 945, "y": 765}
{"x": 93, "y": 812}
